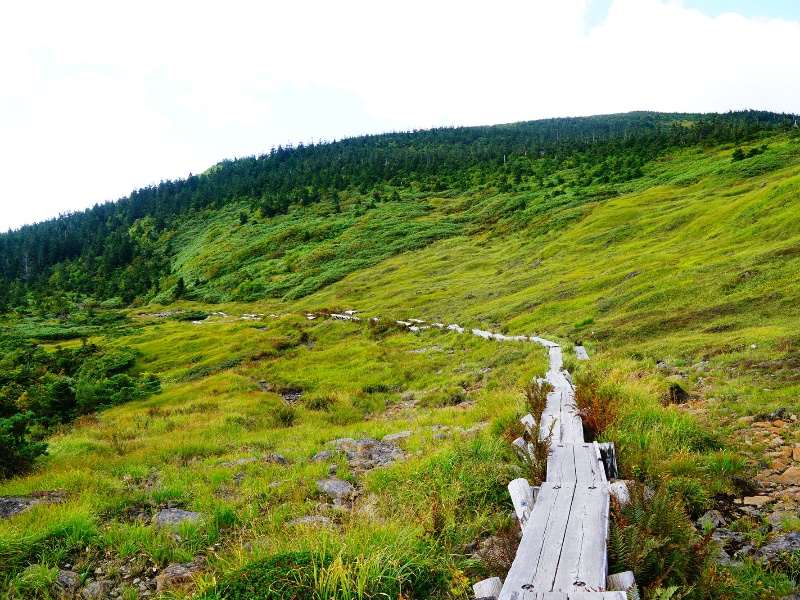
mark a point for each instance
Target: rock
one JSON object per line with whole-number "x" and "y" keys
{"x": 791, "y": 597}
{"x": 756, "y": 500}
{"x": 712, "y": 518}
{"x": 787, "y": 543}
{"x": 278, "y": 459}
{"x": 336, "y": 488}
{"x": 746, "y": 420}
{"x": 790, "y": 476}
{"x": 395, "y": 438}
{"x": 97, "y": 590}
{"x": 68, "y": 581}
{"x": 407, "y": 397}
{"x": 176, "y": 575}
{"x": 796, "y": 454}
{"x": 344, "y": 444}
{"x": 175, "y": 516}
{"x": 777, "y": 518}
{"x": 11, "y": 506}
{"x": 322, "y": 456}
{"x": 776, "y": 442}
{"x": 311, "y": 521}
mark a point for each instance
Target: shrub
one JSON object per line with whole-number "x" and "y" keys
{"x": 536, "y": 396}
{"x": 17, "y": 453}
{"x": 653, "y": 537}
{"x": 284, "y": 416}
{"x": 597, "y": 405}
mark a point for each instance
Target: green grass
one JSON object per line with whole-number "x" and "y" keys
{"x": 692, "y": 264}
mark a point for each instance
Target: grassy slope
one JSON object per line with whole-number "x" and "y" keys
{"x": 716, "y": 248}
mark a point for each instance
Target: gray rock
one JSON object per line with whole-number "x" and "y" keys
{"x": 712, "y": 518}
{"x": 175, "y": 516}
{"x": 322, "y": 456}
{"x": 97, "y": 590}
{"x": 277, "y": 458}
{"x": 176, "y": 575}
{"x": 395, "y": 438}
{"x": 336, "y": 488}
{"x": 787, "y": 543}
{"x": 407, "y": 397}
{"x": 345, "y": 444}
{"x": 68, "y": 581}
{"x": 791, "y": 597}
{"x": 11, "y": 506}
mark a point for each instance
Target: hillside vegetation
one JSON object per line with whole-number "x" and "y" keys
{"x": 162, "y": 350}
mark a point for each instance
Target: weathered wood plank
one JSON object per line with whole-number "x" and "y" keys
{"x": 545, "y": 527}
{"x": 573, "y": 596}
{"x": 584, "y": 563}
{"x": 580, "y": 353}
{"x": 561, "y": 463}
{"x": 488, "y": 588}
{"x": 522, "y": 498}
{"x": 530, "y": 424}
{"x": 553, "y": 542}
{"x": 568, "y": 428}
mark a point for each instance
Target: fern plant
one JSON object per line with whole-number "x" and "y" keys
{"x": 653, "y": 537}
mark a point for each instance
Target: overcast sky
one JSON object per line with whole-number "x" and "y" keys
{"x": 99, "y": 98}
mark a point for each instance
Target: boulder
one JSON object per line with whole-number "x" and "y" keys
{"x": 176, "y": 575}
{"x": 11, "y": 506}
{"x": 336, "y": 488}
{"x": 175, "y": 516}
{"x": 787, "y": 543}
{"x": 790, "y": 476}
{"x": 278, "y": 459}
{"x": 756, "y": 500}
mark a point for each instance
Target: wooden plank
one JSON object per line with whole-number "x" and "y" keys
{"x": 584, "y": 563}
{"x": 553, "y": 539}
{"x": 530, "y": 424}
{"x": 620, "y": 581}
{"x": 522, "y": 499}
{"x": 574, "y": 596}
{"x": 580, "y": 353}
{"x": 588, "y": 467}
{"x": 488, "y": 588}
{"x": 561, "y": 463}
{"x": 546, "y": 525}
{"x": 553, "y": 404}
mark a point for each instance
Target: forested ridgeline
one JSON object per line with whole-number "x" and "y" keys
{"x": 123, "y": 249}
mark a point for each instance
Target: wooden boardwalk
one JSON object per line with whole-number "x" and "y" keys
{"x": 562, "y": 554}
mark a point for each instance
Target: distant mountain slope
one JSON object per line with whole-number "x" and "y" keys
{"x": 508, "y": 176}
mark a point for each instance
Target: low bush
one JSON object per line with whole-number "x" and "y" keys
{"x": 653, "y": 537}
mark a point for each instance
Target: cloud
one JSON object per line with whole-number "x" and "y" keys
{"x": 102, "y": 97}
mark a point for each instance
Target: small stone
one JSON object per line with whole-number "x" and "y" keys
{"x": 176, "y": 575}
{"x": 713, "y": 518}
{"x": 775, "y": 442}
{"x": 336, "y": 488}
{"x": 756, "y": 500}
{"x": 762, "y": 424}
{"x": 778, "y": 423}
{"x": 97, "y": 590}
{"x": 278, "y": 459}
{"x": 68, "y": 580}
{"x": 796, "y": 453}
{"x": 395, "y": 438}
{"x": 790, "y": 476}
{"x": 175, "y": 516}
{"x": 322, "y": 456}
{"x": 746, "y": 420}
{"x": 344, "y": 444}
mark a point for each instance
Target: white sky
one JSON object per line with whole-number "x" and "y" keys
{"x": 99, "y": 98}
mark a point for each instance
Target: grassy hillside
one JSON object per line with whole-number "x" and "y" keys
{"x": 685, "y": 275}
